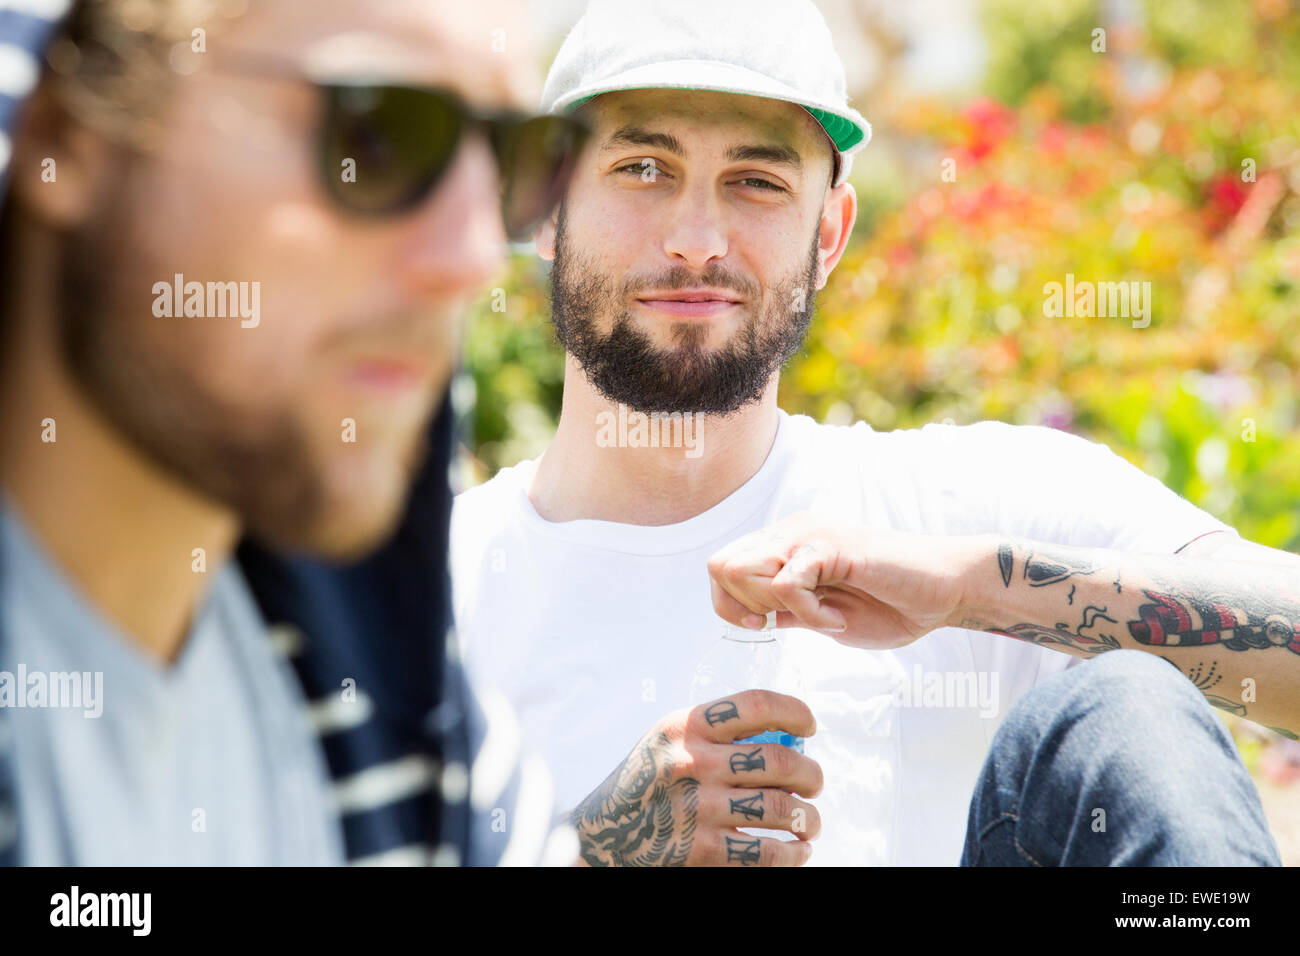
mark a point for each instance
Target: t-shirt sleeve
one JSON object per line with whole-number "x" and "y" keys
{"x": 1046, "y": 485}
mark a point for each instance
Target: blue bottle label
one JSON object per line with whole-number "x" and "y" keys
{"x": 775, "y": 737}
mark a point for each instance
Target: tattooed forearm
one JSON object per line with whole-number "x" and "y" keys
{"x": 1195, "y": 610}
{"x": 1089, "y": 601}
{"x": 640, "y": 815}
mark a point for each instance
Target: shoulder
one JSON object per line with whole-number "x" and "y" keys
{"x": 989, "y": 443}
{"x": 938, "y": 440}
{"x": 484, "y": 512}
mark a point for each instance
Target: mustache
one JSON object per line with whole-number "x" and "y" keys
{"x": 680, "y": 277}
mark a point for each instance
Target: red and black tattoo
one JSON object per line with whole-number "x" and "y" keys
{"x": 1176, "y": 621}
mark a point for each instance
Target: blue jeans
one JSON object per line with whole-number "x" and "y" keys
{"x": 1119, "y": 761}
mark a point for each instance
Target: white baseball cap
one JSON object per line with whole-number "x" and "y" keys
{"x": 778, "y": 49}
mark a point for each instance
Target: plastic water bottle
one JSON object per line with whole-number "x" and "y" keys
{"x": 742, "y": 659}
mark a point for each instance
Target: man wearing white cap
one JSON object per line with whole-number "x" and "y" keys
{"x": 707, "y": 209}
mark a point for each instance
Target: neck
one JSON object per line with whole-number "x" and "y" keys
{"x": 603, "y": 465}
{"x": 120, "y": 528}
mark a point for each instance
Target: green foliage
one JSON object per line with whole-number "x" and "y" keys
{"x": 1050, "y": 45}
{"x": 516, "y": 366}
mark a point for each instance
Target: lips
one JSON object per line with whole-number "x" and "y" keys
{"x": 690, "y": 303}
{"x": 387, "y": 375}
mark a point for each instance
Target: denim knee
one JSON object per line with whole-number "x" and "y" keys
{"x": 1125, "y": 679}
{"x": 1125, "y": 735}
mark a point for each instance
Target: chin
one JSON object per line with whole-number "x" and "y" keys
{"x": 354, "y": 510}
{"x": 349, "y": 535}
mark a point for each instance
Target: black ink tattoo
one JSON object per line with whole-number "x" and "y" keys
{"x": 742, "y": 850}
{"x": 1090, "y": 620}
{"x": 1089, "y": 636}
{"x": 1202, "y": 678}
{"x": 751, "y": 808}
{"x": 1205, "y": 679}
{"x": 1043, "y": 569}
{"x": 1060, "y": 634}
{"x": 721, "y": 712}
{"x": 742, "y": 762}
{"x": 1005, "y": 563}
{"x": 643, "y": 814}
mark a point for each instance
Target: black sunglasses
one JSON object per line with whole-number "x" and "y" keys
{"x": 383, "y": 147}
{"x": 402, "y": 139}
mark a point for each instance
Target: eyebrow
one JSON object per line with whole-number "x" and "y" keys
{"x": 639, "y": 136}
{"x": 631, "y": 135}
{"x": 781, "y": 155}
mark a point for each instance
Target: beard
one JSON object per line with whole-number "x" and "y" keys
{"x": 626, "y": 367}
{"x": 262, "y": 466}
{"x": 163, "y": 413}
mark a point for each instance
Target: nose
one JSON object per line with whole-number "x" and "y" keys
{"x": 458, "y": 240}
{"x": 696, "y": 234}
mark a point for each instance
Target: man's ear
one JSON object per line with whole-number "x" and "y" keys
{"x": 838, "y": 216}
{"x": 58, "y": 165}
{"x": 544, "y": 236}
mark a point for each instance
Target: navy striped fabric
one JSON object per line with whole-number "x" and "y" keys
{"x": 381, "y": 625}
{"x": 422, "y": 772}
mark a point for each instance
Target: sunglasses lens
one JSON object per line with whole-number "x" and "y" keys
{"x": 537, "y": 157}
{"x": 383, "y": 147}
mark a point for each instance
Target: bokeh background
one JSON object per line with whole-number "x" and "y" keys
{"x": 1173, "y": 157}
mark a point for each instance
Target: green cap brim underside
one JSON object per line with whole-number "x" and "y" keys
{"x": 845, "y": 134}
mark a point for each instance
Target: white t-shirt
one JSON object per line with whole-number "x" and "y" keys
{"x": 593, "y": 629}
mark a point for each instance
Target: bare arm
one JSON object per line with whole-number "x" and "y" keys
{"x": 1225, "y": 612}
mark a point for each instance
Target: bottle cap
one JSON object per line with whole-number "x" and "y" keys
{"x": 734, "y": 633}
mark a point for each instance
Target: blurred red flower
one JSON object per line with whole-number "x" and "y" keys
{"x": 988, "y": 124}
{"x": 1225, "y": 194}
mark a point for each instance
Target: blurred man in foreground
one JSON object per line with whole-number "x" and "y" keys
{"x": 238, "y": 241}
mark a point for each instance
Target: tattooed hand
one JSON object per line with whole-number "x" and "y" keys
{"x": 864, "y": 588}
{"x": 681, "y": 794}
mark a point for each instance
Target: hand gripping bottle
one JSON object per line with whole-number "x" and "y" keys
{"x": 742, "y": 659}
